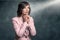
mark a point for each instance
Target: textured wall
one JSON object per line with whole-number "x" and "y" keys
{"x": 46, "y": 16}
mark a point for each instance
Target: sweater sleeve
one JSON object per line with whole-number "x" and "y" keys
{"x": 19, "y": 28}
{"x": 32, "y": 27}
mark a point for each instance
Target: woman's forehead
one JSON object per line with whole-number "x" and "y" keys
{"x": 27, "y": 6}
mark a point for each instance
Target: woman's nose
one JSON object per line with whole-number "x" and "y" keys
{"x": 27, "y": 9}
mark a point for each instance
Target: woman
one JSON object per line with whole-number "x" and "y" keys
{"x": 23, "y": 23}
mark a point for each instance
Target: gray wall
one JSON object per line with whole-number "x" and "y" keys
{"x": 47, "y": 19}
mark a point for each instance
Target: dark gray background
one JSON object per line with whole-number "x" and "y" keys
{"x": 46, "y": 14}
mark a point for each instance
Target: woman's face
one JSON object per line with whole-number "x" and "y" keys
{"x": 26, "y": 10}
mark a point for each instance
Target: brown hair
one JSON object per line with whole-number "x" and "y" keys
{"x": 21, "y": 6}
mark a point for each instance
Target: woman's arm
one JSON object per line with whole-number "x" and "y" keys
{"x": 32, "y": 27}
{"x": 19, "y": 28}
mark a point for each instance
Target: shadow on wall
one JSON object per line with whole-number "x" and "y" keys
{"x": 7, "y": 11}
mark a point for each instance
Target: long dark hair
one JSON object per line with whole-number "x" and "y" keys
{"x": 21, "y": 6}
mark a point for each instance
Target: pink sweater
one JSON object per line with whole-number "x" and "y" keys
{"x": 21, "y": 30}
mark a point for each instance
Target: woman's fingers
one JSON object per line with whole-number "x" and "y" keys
{"x": 26, "y": 18}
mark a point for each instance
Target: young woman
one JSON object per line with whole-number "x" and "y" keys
{"x": 23, "y": 23}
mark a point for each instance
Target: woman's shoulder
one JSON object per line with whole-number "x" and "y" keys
{"x": 14, "y": 18}
{"x": 31, "y": 18}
